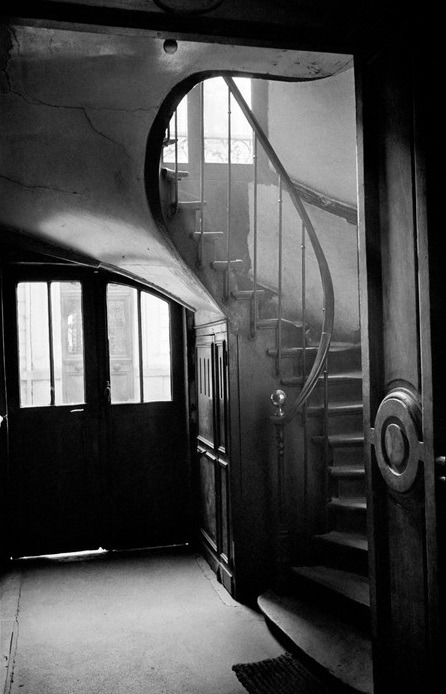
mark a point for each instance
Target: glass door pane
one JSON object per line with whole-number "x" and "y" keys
{"x": 51, "y": 349}
{"x": 34, "y": 344}
{"x": 155, "y": 319}
{"x": 123, "y": 343}
{"x": 68, "y": 342}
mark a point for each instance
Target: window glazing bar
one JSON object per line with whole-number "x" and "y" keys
{"x": 51, "y": 344}
{"x": 140, "y": 357}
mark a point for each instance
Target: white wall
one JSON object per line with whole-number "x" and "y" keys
{"x": 312, "y": 127}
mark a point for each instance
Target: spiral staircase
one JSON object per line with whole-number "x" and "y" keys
{"x": 320, "y": 600}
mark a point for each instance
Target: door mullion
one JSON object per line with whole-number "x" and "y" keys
{"x": 51, "y": 343}
{"x": 141, "y": 374}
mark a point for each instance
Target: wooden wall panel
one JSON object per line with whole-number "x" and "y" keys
{"x": 213, "y": 450}
{"x": 208, "y": 514}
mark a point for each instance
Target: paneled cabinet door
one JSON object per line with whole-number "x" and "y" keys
{"x": 213, "y": 464}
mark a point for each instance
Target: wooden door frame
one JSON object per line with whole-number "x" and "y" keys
{"x": 425, "y": 159}
{"x": 179, "y": 385}
{"x": 47, "y": 270}
{"x": 4, "y": 437}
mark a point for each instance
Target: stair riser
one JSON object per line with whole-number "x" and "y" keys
{"x": 345, "y": 424}
{"x": 350, "y": 455}
{"x": 339, "y": 361}
{"x": 346, "y": 391}
{"x": 289, "y": 338}
{"x": 346, "y": 520}
{"x": 305, "y": 588}
{"x": 345, "y": 488}
{"x": 339, "y": 557}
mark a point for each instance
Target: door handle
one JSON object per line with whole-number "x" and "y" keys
{"x": 107, "y": 393}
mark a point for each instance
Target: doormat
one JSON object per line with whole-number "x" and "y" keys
{"x": 281, "y": 675}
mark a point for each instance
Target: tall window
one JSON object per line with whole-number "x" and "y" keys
{"x": 139, "y": 345}
{"x": 51, "y": 345}
{"x": 213, "y": 114}
{"x": 216, "y": 123}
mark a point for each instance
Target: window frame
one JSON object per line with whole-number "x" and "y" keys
{"x": 50, "y": 337}
{"x": 139, "y": 333}
{"x": 259, "y": 104}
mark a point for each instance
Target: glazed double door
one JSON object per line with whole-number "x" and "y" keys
{"x": 96, "y": 414}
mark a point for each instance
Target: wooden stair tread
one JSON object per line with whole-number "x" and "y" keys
{"x": 207, "y": 235}
{"x": 342, "y": 649}
{"x": 353, "y": 504}
{"x": 345, "y": 376}
{"x": 171, "y": 174}
{"x": 223, "y": 264}
{"x": 312, "y": 349}
{"x": 339, "y": 346}
{"x": 272, "y": 323}
{"x": 341, "y": 440}
{"x": 333, "y": 378}
{"x": 194, "y": 205}
{"x": 350, "y": 585}
{"x": 351, "y": 540}
{"x": 337, "y": 409}
{"x": 247, "y": 293}
{"x": 347, "y": 470}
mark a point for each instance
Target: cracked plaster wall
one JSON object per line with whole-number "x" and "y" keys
{"x": 76, "y": 110}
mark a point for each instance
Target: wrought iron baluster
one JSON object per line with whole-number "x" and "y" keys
{"x": 326, "y": 449}
{"x": 283, "y": 559}
{"x": 229, "y": 206}
{"x": 202, "y": 155}
{"x": 280, "y": 282}
{"x": 174, "y": 205}
{"x": 254, "y": 307}
{"x": 304, "y": 358}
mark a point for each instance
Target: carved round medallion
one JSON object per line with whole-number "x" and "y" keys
{"x": 397, "y": 439}
{"x": 188, "y": 6}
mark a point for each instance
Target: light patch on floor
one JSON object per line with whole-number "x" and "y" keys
{"x": 158, "y": 623}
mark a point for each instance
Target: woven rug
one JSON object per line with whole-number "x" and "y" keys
{"x": 281, "y": 675}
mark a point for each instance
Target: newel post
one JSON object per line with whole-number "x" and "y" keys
{"x": 282, "y": 559}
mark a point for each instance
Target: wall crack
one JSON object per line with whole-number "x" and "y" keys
{"x": 49, "y": 189}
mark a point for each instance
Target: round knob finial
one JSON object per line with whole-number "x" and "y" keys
{"x": 278, "y": 399}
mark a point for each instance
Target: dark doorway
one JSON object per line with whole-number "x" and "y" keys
{"x": 97, "y": 413}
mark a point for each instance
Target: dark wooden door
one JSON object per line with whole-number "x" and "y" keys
{"x": 399, "y": 398}
{"x": 97, "y": 435}
{"x": 147, "y": 473}
{"x": 213, "y": 468}
{"x": 55, "y": 472}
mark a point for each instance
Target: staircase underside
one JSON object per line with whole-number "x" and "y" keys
{"x": 341, "y": 648}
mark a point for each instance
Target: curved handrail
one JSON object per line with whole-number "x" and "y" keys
{"x": 327, "y": 283}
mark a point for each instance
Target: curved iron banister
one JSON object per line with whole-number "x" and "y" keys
{"x": 327, "y": 283}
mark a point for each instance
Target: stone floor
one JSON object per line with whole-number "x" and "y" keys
{"x": 125, "y": 624}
